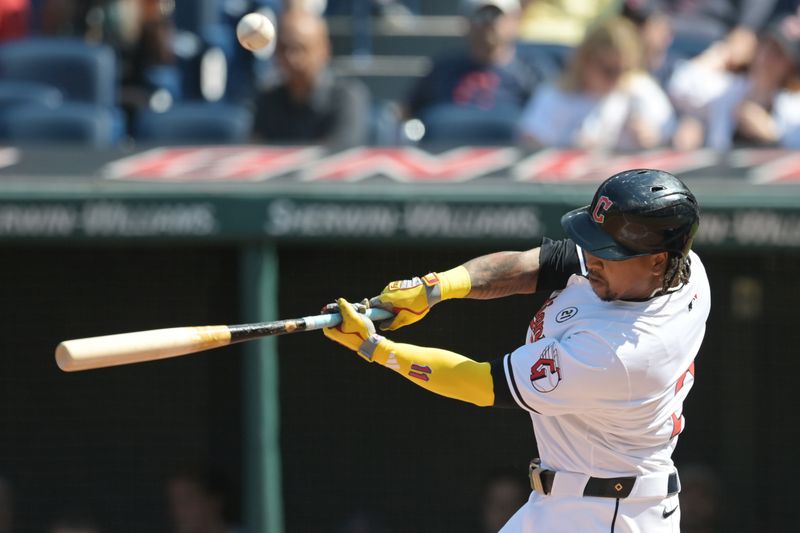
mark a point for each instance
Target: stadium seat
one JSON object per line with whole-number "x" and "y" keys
{"x": 69, "y": 124}
{"x": 164, "y": 77}
{"x": 549, "y": 60}
{"x": 384, "y": 124}
{"x": 82, "y": 72}
{"x": 16, "y": 93}
{"x": 196, "y": 16}
{"x": 447, "y": 125}
{"x": 195, "y": 123}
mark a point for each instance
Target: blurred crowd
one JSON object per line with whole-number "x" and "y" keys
{"x": 195, "y": 499}
{"x": 597, "y": 74}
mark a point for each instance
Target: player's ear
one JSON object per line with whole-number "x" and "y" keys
{"x": 659, "y": 263}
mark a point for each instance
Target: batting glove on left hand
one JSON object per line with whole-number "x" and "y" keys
{"x": 356, "y": 331}
{"x": 410, "y": 300}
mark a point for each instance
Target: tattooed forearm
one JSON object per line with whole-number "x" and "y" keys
{"x": 503, "y": 274}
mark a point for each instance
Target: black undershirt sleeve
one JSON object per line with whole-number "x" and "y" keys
{"x": 502, "y": 394}
{"x": 558, "y": 260}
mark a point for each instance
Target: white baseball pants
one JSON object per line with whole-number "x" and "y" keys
{"x": 572, "y": 514}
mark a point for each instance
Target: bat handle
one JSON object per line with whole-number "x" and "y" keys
{"x": 334, "y": 319}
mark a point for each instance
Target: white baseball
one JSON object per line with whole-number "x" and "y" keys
{"x": 255, "y": 31}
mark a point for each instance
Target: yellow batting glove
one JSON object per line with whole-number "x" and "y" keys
{"x": 355, "y": 332}
{"x": 410, "y": 300}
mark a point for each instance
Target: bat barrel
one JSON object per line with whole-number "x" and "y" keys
{"x": 139, "y": 346}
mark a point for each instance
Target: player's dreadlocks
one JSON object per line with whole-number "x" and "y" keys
{"x": 679, "y": 268}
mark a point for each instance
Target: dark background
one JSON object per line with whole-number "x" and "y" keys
{"x": 354, "y": 436}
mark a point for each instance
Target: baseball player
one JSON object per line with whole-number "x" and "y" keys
{"x": 607, "y": 361}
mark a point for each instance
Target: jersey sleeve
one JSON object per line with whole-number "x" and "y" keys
{"x": 558, "y": 260}
{"x": 551, "y": 377}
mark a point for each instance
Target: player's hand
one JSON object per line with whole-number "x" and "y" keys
{"x": 355, "y": 330}
{"x": 410, "y": 300}
{"x": 333, "y": 307}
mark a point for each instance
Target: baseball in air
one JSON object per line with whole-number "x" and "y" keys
{"x": 255, "y": 31}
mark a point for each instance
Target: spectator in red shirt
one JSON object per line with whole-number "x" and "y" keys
{"x": 14, "y": 16}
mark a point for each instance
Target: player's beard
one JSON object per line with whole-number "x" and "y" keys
{"x": 600, "y": 287}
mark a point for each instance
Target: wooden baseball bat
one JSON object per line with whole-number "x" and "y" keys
{"x": 140, "y": 346}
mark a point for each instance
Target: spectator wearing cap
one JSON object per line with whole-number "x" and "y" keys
{"x": 762, "y": 107}
{"x": 487, "y": 76}
{"x": 604, "y": 100}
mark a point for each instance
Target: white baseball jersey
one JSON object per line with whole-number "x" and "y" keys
{"x": 605, "y": 383}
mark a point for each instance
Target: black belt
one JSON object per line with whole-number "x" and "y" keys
{"x": 600, "y": 487}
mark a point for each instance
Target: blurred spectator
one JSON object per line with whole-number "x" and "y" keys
{"x": 198, "y": 501}
{"x": 486, "y": 81}
{"x": 563, "y": 22}
{"x": 721, "y": 108}
{"x": 363, "y": 522}
{"x": 504, "y": 491}
{"x": 699, "y": 499}
{"x": 6, "y": 506}
{"x": 317, "y": 7}
{"x": 488, "y": 76}
{"x": 655, "y": 32}
{"x": 604, "y": 100}
{"x": 74, "y": 523}
{"x": 139, "y": 30}
{"x": 14, "y": 16}
{"x": 698, "y": 24}
{"x": 309, "y": 104}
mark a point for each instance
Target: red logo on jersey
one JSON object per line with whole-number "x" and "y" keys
{"x": 545, "y": 372}
{"x": 677, "y": 419}
{"x": 603, "y": 205}
{"x": 537, "y": 324}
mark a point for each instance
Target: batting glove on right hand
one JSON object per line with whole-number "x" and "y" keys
{"x": 356, "y": 331}
{"x": 410, "y": 300}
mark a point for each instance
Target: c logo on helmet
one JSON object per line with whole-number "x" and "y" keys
{"x": 603, "y": 205}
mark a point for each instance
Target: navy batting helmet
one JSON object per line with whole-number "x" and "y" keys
{"x": 636, "y": 212}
